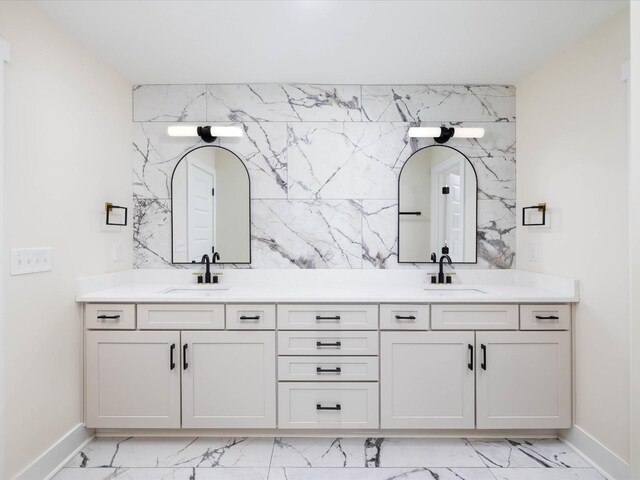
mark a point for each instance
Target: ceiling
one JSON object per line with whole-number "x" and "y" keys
{"x": 481, "y": 41}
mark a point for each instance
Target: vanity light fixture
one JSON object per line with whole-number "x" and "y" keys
{"x": 207, "y": 133}
{"x": 444, "y": 134}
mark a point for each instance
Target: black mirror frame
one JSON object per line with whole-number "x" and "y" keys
{"x": 400, "y": 178}
{"x": 249, "y": 183}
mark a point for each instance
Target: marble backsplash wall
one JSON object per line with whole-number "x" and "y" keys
{"x": 324, "y": 163}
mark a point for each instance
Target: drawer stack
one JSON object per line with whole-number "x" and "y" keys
{"x": 327, "y": 366}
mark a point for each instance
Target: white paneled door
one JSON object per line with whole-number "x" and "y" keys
{"x": 427, "y": 379}
{"x": 132, "y": 379}
{"x": 200, "y": 211}
{"x": 228, "y": 379}
{"x": 523, "y": 379}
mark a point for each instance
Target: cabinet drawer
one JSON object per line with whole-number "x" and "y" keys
{"x": 320, "y": 369}
{"x": 545, "y": 317}
{"x": 251, "y": 317}
{"x": 327, "y": 405}
{"x": 180, "y": 317}
{"x": 106, "y": 316}
{"x": 474, "y": 317}
{"x": 328, "y": 317}
{"x": 327, "y": 343}
{"x": 404, "y": 317}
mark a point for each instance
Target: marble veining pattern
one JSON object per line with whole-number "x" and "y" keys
{"x": 327, "y": 458}
{"x": 306, "y": 234}
{"x": 283, "y": 102}
{"x": 446, "y": 103}
{"x": 319, "y": 154}
{"x": 169, "y": 103}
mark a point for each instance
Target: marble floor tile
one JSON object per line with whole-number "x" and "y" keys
{"x": 318, "y": 452}
{"x": 497, "y": 452}
{"x": 421, "y": 452}
{"x": 380, "y": 474}
{"x": 550, "y": 453}
{"x": 546, "y": 474}
{"x": 162, "y": 474}
{"x": 287, "y": 458}
{"x": 175, "y": 452}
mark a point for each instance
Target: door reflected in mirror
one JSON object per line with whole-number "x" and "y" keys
{"x": 437, "y": 206}
{"x": 210, "y": 207}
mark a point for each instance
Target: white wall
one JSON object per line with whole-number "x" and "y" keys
{"x": 4, "y": 57}
{"x": 67, "y": 150}
{"x": 572, "y": 153}
{"x": 634, "y": 238}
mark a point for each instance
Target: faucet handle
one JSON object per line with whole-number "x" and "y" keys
{"x": 200, "y": 276}
{"x": 214, "y": 276}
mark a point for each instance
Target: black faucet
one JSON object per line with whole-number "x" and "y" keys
{"x": 207, "y": 262}
{"x": 216, "y": 256}
{"x": 441, "y": 278}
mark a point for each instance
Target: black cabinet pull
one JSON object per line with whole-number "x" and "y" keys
{"x": 320, "y": 317}
{"x": 108, "y": 317}
{"x": 329, "y": 344}
{"x": 336, "y": 407}
{"x": 244, "y": 317}
{"x": 185, "y": 365}
{"x": 470, "y": 364}
{"x": 550, "y": 317}
{"x": 405, "y": 317}
{"x": 328, "y": 370}
{"x": 409, "y": 213}
{"x": 483, "y": 365}
{"x": 172, "y": 364}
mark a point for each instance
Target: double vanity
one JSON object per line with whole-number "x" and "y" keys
{"x": 313, "y": 350}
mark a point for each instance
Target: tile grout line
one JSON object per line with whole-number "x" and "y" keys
{"x": 273, "y": 447}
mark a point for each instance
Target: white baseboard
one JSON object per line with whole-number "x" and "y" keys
{"x": 50, "y": 462}
{"x": 604, "y": 460}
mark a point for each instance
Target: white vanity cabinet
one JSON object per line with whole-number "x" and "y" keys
{"x": 427, "y": 380}
{"x": 132, "y": 379}
{"x": 523, "y": 379}
{"x": 180, "y": 378}
{"x": 315, "y": 366}
{"x": 322, "y": 349}
{"x": 228, "y": 379}
{"x": 482, "y": 379}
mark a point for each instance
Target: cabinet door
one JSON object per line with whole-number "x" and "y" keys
{"x": 427, "y": 379}
{"x": 523, "y": 379}
{"x": 229, "y": 380}
{"x": 132, "y": 379}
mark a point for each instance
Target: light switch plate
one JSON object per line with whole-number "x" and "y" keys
{"x": 30, "y": 260}
{"x": 117, "y": 252}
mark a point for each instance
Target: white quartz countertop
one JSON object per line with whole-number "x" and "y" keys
{"x": 394, "y": 286}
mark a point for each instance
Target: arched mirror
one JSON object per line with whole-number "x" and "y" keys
{"x": 210, "y": 207}
{"x": 437, "y": 206}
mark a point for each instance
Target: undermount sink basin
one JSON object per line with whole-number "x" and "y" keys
{"x": 452, "y": 291}
{"x": 197, "y": 290}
